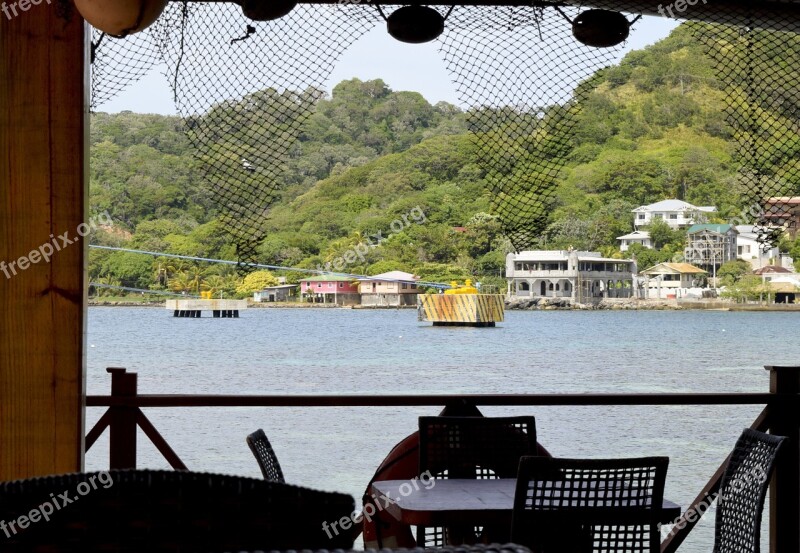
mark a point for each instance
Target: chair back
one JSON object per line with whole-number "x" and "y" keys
{"x": 167, "y": 511}
{"x": 742, "y": 491}
{"x": 589, "y": 505}
{"x": 265, "y": 456}
{"x": 475, "y": 447}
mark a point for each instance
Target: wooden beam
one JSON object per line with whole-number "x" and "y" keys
{"x": 43, "y": 191}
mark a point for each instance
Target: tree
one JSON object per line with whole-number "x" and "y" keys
{"x": 255, "y": 281}
{"x": 732, "y": 271}
{"x": 662, "y": 234}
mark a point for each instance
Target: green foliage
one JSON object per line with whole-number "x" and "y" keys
{"x": 733, "y": 271}
{"x": 662, "y": 234}
{"x": 369, "y": 158}
{"x": 255, "y": 281}
{"x": 747, "y": 288}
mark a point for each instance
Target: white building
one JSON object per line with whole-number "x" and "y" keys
{"x": 580, "y": 276}
{"x": 641, "y": 237}
{"x": 749, "y": 249}
{"x": 671, "y": 280}
{"x": 676, "y": 213}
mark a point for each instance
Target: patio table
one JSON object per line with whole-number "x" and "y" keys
{"x": 457, "y": 502}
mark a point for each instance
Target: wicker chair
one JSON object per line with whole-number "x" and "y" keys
{"x": 742, "y": 492}
{"x": 265, "y": 456}
{"x": 583, "y": 505}
{"x": 166, "y": 511}
{"x": 471, "y": 447}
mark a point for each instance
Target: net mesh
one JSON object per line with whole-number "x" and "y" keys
{"x": 757, "y": 64}
{"x": 245, "y": 89}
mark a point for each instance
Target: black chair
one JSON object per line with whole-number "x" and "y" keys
{"x": 474, "y": 448}
{"x": 742, "y": 491}
{"x": 589, "y": 505}
{"x": 265, "y": 455}
{"x": 167, "y": 511}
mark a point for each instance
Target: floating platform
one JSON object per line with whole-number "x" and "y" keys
{"x": 194, "y": 308}
{"x": 461, "y": 309}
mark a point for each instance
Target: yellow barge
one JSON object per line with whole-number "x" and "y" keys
{"x": 461, "y": 306}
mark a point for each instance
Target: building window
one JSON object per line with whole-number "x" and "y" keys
{"x": 673, "y": 216}
{"x": 658, "y": 215}
{"x": 519, "y": 266}
{"x": 641, "y": 216}
{"x": 319, "y": 285}
{"x": 405, "y": 286}
{"x": 413, "y": 286}
{"x": 330, "y": 285}
{"x": 341, "y": 285}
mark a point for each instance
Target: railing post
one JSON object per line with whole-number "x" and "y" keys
{"x": 122, "y": 428}
{"x": 784, "y": 491}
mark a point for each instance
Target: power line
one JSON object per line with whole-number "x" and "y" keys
{"x": 264, "y": 266}
{"x": 128, "y": 289}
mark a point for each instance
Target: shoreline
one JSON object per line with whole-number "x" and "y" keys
{"x": 565, "y": 304}
{"x": 518, "y": 304}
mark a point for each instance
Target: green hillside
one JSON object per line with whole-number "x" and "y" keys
{"x": 387, "y": 169}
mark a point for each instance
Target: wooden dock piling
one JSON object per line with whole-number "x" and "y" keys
{"x": 193, "y": 308}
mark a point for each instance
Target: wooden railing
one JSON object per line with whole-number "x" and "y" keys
{"x": 781, "y": 416}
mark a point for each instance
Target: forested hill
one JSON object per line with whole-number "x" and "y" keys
{"x": 654, "y": 128}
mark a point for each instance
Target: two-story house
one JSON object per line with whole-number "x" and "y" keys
{"x": 339, "y": 290}
{"x": 676, "y": 213}
{"x": 394, "y": 288}
{"x": 579, "y": 276}
{"x": 709, "y": 246}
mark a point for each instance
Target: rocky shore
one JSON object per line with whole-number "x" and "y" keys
{"x": 533, "y": 304}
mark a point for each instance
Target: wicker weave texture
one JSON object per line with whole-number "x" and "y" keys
{"x": 478, "y": 548}
{"x": 475, "y": 447}
{"x": 471, "y": 447}
{"x": 170, "y": 511}
{"x": 598, "y": 505}
{"x": 742, "y": 492}
{"x": 265, "y": 456}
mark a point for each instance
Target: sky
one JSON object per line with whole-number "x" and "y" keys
{"x": 416, "y": 67}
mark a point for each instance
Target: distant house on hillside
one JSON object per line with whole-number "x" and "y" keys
{"x": 709, "y": 246}
{"x": 338, "y": 290}
{"x": 784, "y": 211}
{"x": 641, "y": 237}
{"x": 394, "y": 288}
{"x": 748, "y": 248}
{"x": 671, "y": 280}
{"x": 579, "y": 276}
{"x": 769, "y": 272}
{"x": 676, "y": 213}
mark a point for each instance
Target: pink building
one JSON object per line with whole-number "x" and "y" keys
{"x": 330, "y": 289}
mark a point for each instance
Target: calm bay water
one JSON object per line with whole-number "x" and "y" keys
{"x": 324, "y": 351}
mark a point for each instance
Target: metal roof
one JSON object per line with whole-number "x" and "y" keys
{"x": 672, "y": 269}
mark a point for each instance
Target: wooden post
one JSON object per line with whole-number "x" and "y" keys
{"x": 122, "y": 429}
{"x": 784, "y": 491}
{"x": 43, "y": 191}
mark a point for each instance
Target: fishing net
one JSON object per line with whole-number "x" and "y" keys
{"x": 758, "y": 63}
{"x": 245, "y": 89}
{"x": 118, "y": 63}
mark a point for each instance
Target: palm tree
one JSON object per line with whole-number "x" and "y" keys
{"x": 180, "y": 282}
